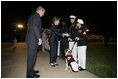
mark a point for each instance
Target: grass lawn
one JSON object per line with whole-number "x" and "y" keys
{"x": 6, "y": 44}
{"x": 102, "y": 61}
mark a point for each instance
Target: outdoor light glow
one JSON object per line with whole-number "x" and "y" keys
{"x": 87, "y": 30}
{"x": 20, "y": 26}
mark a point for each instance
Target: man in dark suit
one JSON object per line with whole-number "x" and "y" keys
{"x": 64, "y": 41}
{"x": 33, "y": 39}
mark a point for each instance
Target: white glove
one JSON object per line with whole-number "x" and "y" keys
{"x": 76, "y": 38}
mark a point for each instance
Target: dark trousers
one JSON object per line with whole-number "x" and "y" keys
{"x": 53, "y": 52}
{"x": 64, "y": 45}
{"x": 31, "y": 58}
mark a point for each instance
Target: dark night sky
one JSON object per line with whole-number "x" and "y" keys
{"x": 99, "y": 16}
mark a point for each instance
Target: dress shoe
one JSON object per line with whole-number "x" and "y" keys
{"x": 34, "y": 76}
{"x": 81, "y": 69}
{"x": 52, "y": 65}
{"x": 36, "y": 71}
{"x": 63, "y": 58}
{"x": 56, "y": 64}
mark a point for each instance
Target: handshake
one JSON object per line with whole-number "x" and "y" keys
{"x": 76, "y": 38}
{"x": 66, "y": 34}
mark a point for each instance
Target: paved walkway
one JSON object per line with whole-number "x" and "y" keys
{"x": 13, "y": 65}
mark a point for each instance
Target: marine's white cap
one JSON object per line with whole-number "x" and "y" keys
{"x": 80, "y": 21}
{"x": 72, "y": 16}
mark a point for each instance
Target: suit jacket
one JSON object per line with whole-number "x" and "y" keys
{"x": 54, "y": 34}
{"x": 64, "y": 29}
{"x": 34, "y": 29}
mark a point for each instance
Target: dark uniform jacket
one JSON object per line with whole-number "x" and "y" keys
{"x": 34, "y": 29}
{"x": 79, "y": 32}
{"x": 71, "y": 30}
{"x": 65, "y": 29}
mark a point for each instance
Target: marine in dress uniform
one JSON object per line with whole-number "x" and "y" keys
{"x": 80, "y": 35}
{"x": 71, "y": 32}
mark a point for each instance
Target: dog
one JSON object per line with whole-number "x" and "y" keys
{"x": 71, "y": 64}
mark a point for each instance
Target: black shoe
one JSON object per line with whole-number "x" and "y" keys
{"x": 36, "y": 71}
{"x": 34, "y": 76}
{"x": 81, "y": 69}
{"x": 56, "y": 64}
{"x": 63, "y": 58}
{"x": 52, "y": 65}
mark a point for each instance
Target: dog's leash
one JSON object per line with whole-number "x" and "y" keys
{"x": 74, "y": 44}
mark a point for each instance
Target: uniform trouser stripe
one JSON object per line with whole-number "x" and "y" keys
{"x": 82, "y": 56}
{"x": 74, "y": 51}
